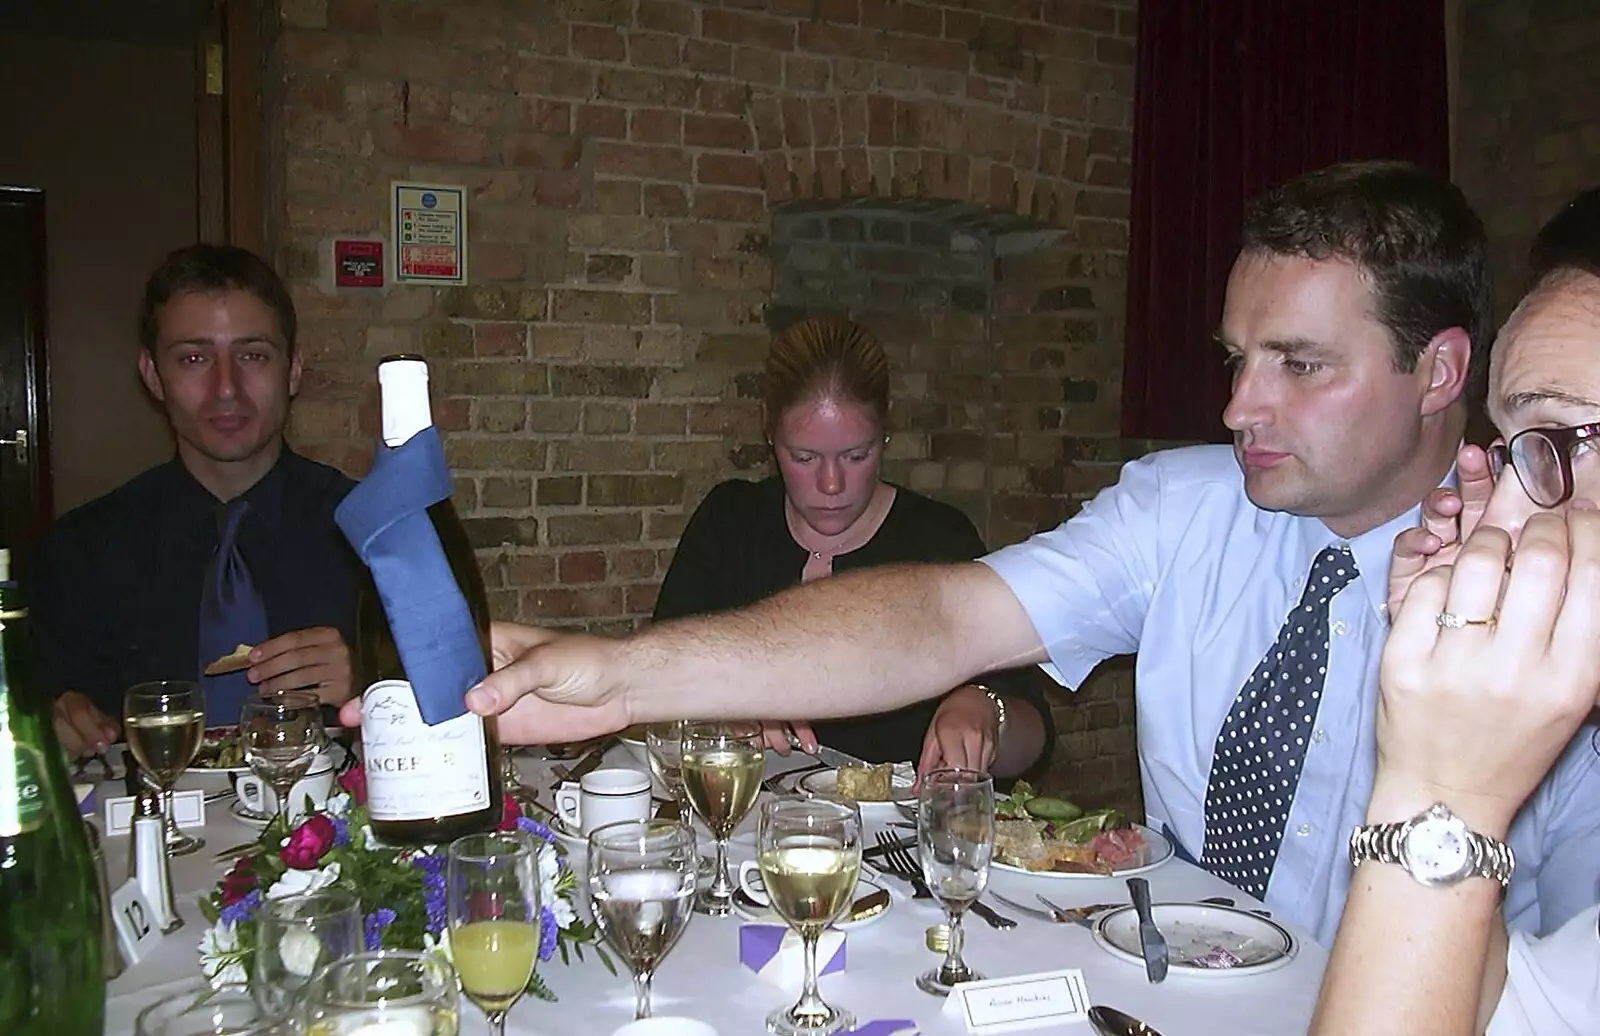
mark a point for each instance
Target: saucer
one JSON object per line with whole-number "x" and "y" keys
{"x": 750, "y": 910}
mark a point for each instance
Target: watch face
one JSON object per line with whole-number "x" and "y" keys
{"x": 1436, "y": 850}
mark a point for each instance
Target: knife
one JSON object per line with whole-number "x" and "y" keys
{"x": 1152, "y": 944}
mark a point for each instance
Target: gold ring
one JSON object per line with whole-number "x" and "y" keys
{"x": 1452, "y": 621}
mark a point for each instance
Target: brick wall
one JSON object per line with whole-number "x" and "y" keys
{"x": 1527, "y": 128}
{"x": 635, "y": 169}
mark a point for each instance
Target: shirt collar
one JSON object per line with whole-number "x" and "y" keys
{"x": 190, "y": 504}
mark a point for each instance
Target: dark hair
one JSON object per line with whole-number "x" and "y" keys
{"x": 1411, "y": 233}
{"x": 211, "y": 269}
{"x": 1569, "y": 240}
{"x": 825, "y": 357}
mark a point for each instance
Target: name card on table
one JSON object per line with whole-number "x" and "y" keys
{"x": 1022, "y": 1002}
{"x": 188, "y": 809}
{"x": 136, "y": 921}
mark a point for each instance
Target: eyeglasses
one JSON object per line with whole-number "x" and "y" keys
{"x": 1542, "y": 459}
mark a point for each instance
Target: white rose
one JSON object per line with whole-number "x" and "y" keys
{"x": 294, "y": 882}
{"x": 300, "y": 951}
{"x": 220, "y": 941}
{"x": 338, "y": 804}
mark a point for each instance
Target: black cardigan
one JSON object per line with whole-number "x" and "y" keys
{"x": 737, "y": 549}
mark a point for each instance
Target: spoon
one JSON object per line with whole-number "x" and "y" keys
{"x": 1108, "y": 1021}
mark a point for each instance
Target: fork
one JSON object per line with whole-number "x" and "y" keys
{"x": 899, "y": 862}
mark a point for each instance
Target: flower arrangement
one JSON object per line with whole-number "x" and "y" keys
{"x": 402, "y": 890}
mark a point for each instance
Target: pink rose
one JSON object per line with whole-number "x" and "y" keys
{"x": 509, "y": 814}
{"x": 308, "y": 843}
{"x": 354, "y": 781}
{"x": 239, "y": 882}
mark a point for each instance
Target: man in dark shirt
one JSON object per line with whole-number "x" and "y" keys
{"x": 116, "y": 596}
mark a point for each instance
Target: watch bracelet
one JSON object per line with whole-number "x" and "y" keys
{"x": 1381, "y": 843}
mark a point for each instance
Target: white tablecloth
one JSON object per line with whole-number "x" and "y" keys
{"x": 702, "y": 976}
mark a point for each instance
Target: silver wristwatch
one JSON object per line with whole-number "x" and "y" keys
{"x": 1436, "y": 847}
{"x": 999, "y": 704}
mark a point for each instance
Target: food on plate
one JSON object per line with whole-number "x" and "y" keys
{"x": 864, "y": 783}
{"x": 235, "y": 660}
{"x": 219, "y": 750}
{"x": 1041, "y": 833}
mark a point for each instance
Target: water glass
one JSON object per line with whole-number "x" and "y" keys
{"x": 397, "y": 993}
{"x": 642, "y": 877}
{"x": 493, "y": 908}
{"x": 295, "y": 936}
{"x": 664, "y": 742}
{"x": 955, "y": 840}
{"x": 809, "y": 852}
{"x": 281, "y": 736}
{"x": 200, "y": 1010}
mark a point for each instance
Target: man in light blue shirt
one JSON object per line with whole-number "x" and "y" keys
{"x": 1250, "y": 580}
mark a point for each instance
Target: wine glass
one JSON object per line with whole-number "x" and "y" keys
{"x": 164, "y": 723}
{"x": 389, "y": 991}
{"x": 199, "y": 1010}
{"x": 722, "y": 764}
{"x": 494, "y": 918}
{"x": 281, "y": 735}
{"x": 955, "y": 839}
{"x": 642, "y": 877}
{"x": 809, "y": 853}
{"x": 295, "y": 936}
{"x": 664, "y": 743}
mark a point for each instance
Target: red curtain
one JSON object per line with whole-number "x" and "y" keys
{"x": 1230, "y": 98}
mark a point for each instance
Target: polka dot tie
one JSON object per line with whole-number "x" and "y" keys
{"x": 1256, "y": 766}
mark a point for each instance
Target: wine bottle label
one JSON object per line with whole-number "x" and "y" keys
{"x": 414, "y": 771}
{"x": 22, "y": 805}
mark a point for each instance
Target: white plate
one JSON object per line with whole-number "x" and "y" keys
{"x": 1195, "y": 930}
{"x": 865, "y": 886}
{"x": 245, "y": 816}
{"x": 823, "y": 782}
{"x": 1157, "y": 851}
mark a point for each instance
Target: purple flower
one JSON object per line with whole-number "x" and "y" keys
{"x": 374, "y": 925}
{"x": 341, "y": 830}
{"x": 432, "y": 868}
{"x": 241, "y": 909}
{"x": 547, "y": 933}
{"x": 528, "y": 825}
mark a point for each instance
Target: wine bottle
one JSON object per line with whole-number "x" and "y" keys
{"x": 51, "y": 977}
{"x": 424, "y": 784}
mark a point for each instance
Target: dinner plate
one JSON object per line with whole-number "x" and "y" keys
{"x": 1203, "y": 941}
{"x": 865, "y": 886}
{"x": 823, "y": 782}
{"x": 1157, "y": 851}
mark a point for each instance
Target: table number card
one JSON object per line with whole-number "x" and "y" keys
{"x": 188, "y": 809}
{"x": 1021, "y": 1002}
{"x": 136, "y": 922}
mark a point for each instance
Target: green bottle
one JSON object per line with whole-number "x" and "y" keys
{"x": 51, "y": 977}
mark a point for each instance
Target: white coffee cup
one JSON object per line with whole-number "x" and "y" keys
{"x": 604, "y": 797}
{"x": 751, "y": 882}
{"x": 257, "y": 796}
{"x": 666, "y": 1025}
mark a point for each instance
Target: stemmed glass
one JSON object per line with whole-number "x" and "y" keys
{"x": 199, "y": 1010}
{"x": 642, "y": 876}
{"x": 809, "y": 853}
{"x": 295, "y": 936}
{"x": 493, "y": 906}
{"x": 664, "y": 742}
{"x": 281, "y": 735}
{"x": 164, "y": 723}
{"x": 389, "y": 991}
{"x": 511, "y": 779}
{"x": 955, "y": 839}
{"x": 722, "y": 764}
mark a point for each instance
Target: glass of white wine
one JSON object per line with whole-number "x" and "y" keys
{"x": 281, "y": 735}
{"x": 493, "y": 905}
{"x": 387, "y": 992}
{"x": 722, "y": 764}
{"x": 809, "y": 853}
{"x": 955, "y": 840}
{"x": 642, "y": 877}
{"x": 164, "y": 723}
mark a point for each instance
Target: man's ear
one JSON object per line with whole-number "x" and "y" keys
{"x": 1446, "y": 362}
{"x": 295, "y": 370}
{"x": 150, "y": 376}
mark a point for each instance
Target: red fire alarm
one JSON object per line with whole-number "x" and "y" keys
{"x": 358, "y": 264}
